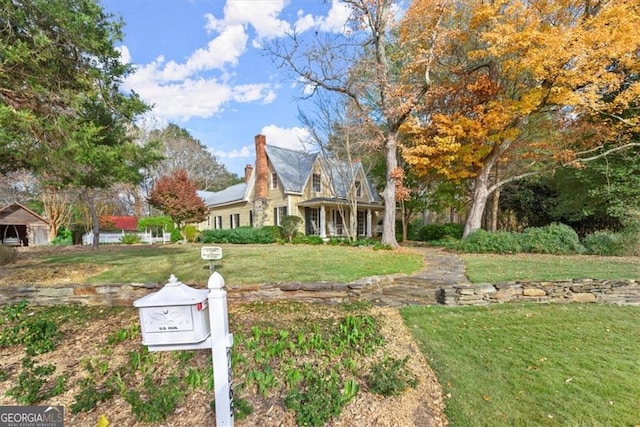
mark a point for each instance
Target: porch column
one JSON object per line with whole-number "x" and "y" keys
{"x": 323, "y": 222}
{"x": 369, "y": 233}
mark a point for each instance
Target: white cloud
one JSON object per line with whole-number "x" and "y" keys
{"x": 263, "y": 17}
{"x": 202, "y": 85}
{"x": 334, "y": 22}
{"x": 125, "y": 56}
{"x": 292, "y": 138}
{"x": 243, "y": 153}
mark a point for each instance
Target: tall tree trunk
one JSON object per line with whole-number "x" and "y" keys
{"x": 88, "y": 197}
{"x": 57, "y": 208}
{"x": 481, "y": 191}
{"x": 479, "y": 202}
{"x": 403, "y": 213}
{"x": 389, "y": 193}
{"x": 495, "y": 204}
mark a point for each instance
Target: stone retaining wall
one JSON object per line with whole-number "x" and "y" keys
{"x": 625, "y": 292}
{"x": 379, "y": 290}
{"x": 105, "y": 295}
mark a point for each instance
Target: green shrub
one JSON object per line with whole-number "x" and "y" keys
{"x": 413, "y": 228}
{"x": 191, "y": 233}
{"x": 433, "y": 232}
{"x": 338, "y": 241}
{"x": 319, "y": 400}
{"x": 7, "y": 255}
{"x": 63, "y": 237}
{"x": 176, "y": 236}
{"x": 307, "y": 240}
{"x": 558, "y": 239}
{"x": 290, "y": 225}
{"x": 241, "y": 235}
{"x": 500, "y": 242}
{"x": 604, "y": 243}
{"x": 390, "y": 377}
{"x": 130, "y": 239}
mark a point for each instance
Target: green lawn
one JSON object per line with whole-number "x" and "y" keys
{"x": 532, "y": 365}
{"x": 490, "y": 268}
{"x": 241, "y": 264}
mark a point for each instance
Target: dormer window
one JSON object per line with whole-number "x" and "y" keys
{"x": 316, "y": 183}
{"x": 274, "y": 180}
{"x": 358, "y": 186}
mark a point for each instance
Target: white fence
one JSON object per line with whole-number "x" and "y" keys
{"x": 110, "y": 237}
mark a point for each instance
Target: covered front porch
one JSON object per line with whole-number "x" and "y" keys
{"x": 330, "y": 218}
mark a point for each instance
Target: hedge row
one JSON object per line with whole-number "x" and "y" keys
{"x": 557, "y": 239}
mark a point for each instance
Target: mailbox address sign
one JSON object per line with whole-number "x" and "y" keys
{"x": 211, "y": 253}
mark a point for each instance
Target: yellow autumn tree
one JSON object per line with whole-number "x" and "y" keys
{"x": 523, "y": 86}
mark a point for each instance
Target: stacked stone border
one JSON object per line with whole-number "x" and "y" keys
{"x": 623, "y": 292}
{"x": 396, "y": 290}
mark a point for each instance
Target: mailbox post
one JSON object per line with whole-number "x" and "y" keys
{"x": 182, "y": 318}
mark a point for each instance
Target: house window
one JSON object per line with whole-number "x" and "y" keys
{"x": 358, "y": 186}
{"x": 217, "y": 222}
{"x": 234, "y": 220}
{"x": 362, "y": 224}
{"x": 278, "y": 214}
{"x": 316, "y": 183}
{"x": 274, "y": 180}
{"x": 250, "y": 218}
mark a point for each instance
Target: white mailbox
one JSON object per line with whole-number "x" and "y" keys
{"x": 176, "y": 314}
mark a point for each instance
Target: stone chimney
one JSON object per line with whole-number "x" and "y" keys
{"x": 247, "y": 173}
{"x": 262, "y": 168}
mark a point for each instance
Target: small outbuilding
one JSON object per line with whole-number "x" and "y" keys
{"x": 20, "y": 226}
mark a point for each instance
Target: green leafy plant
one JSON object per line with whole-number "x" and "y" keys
{"x": 390, "y": 377}
{"x": 29, "y": 388}
{"x": 39, "y": 335}
{"x": 64, "y": 237}
{"x": 290, "y": 225}
{"x": 190, "y": 232}
{"x": 90, "y": 395}
{"x": 13, "y": 312}
{"x": 157, "y": 401}
{"x": 558, "y": 239}
{"x": 481, "y": 241}
{"x": 434, "y": 232}
{"x": 604, "y": 243}
{"x": 264, "y": 379}
{"x": 318, "y": 400}
{"x": 130, "y": 239}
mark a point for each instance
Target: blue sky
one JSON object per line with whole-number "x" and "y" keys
{"x": 200, "y": 63}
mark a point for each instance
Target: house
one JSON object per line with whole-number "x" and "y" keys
{"x": 333, "y": 198}
{"x": 20, "y": 226}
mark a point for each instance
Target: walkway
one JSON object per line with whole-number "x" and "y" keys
{"x": 423, "y": 287}
{"x": 441, "y": 268}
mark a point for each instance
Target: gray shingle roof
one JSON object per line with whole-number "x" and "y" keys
{"x": 235, "y": 193}
{"x": 293, "y": 167}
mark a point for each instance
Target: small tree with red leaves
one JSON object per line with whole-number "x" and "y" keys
{"x": 176, "y": 196}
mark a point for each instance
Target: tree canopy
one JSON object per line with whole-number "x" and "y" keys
{"x": 176, "y": 196}
{"x": 522, "y": 86}
{"x": 57, "y": 58}
{"x": 181, "y": 150}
